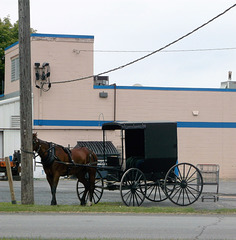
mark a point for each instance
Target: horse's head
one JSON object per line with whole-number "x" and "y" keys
{"x": 35, "y": 142}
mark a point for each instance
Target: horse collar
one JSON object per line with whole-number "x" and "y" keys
{"x": 50, "y": 157}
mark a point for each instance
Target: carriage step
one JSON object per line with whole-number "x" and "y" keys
{"x": 112, "y": 186}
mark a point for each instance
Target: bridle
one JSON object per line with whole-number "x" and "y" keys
{"x": 36, "y": 141}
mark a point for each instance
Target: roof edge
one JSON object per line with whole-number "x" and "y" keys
{"x": 62, "y": 35}
{"x": 54, "y": 36}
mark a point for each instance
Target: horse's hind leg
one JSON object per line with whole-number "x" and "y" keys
{"x": 92, "y": 175}
{"x": 84, "y": 181}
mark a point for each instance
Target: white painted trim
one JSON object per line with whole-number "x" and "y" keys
{"x": 10, "y": 100}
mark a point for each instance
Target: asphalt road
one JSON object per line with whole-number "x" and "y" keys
{"x": 120, "y": 226}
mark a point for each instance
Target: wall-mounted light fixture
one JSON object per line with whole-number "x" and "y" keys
{"x": 195, "y": 113}
{"x": 103, "y": 94}
{"x": 42, "y": 76}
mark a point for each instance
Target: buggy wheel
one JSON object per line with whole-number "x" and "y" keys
{"x": 155, "y": 191}
{"x": 133, "y": 187}
{"x": 183, "y": 184}
{"x": 98, "y": 188}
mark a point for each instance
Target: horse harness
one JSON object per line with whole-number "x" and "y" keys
{"x": 51, "y": 157}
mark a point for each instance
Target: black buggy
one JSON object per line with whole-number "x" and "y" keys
{"x": 145, "y": 165}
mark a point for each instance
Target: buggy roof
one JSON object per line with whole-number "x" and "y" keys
{"x": 128, "y": 125}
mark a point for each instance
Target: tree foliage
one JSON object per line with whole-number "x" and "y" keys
{"x": 8, "y": 35}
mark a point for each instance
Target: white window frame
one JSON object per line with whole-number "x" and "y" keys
{"x": 15, "y": 69}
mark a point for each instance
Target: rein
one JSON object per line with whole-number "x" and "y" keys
{"x": 29, "y": 152}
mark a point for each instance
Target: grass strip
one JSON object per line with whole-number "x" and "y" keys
{"x": 108, "y": 208}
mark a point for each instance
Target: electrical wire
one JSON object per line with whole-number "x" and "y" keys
{"x": 150, "y": 54}
{"x": 166, "y": 51}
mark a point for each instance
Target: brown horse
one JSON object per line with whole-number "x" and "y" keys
{"x": 60, "y": 161}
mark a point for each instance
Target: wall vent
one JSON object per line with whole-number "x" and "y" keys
{"x": 228, "y": 84}
{"x": 15, "y": 121}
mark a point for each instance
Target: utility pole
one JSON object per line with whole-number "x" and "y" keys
{"x": 27, "y": 185}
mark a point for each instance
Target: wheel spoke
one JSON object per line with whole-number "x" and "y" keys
{"x": 184, "y": 171}
{"x": 193, "y": 189}
{"x": 179, "y": 172}
{"x": 127, "y": 193}
{"x": 176, "y": 190}
{"x": 131, "y": 196}
{"x": 187, "y": 194}
{"x": 139, "y": 191}
{"x": 178, "y": 177}
{"x": 194, "y": 179}
{"x": 151, "y": 187}
{"x": 192, "y": 174}
{"x": 155, "y": 194}
{"x": 188, "y": 172}
{"x": 138, "y": 199}
{"x": 179, "y": 195}
{"x": 191, "y": 193}
{"x": 96, "y": 193}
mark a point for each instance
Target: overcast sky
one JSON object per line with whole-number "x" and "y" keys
{"x": 132, "y": 27}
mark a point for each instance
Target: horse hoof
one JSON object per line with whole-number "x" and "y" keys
{"x": 89, "y": 204}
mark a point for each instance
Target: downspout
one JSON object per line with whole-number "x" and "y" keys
{"x": 114, "y": 102}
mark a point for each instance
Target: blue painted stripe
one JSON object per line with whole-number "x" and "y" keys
{"x": 62, "y": 35}
{"x": 95, "y": 123}
{"x": 206, "y": 124}
{"x": 69, "y": 123}
{"x": 166, "y": 88}
{"x": 14, "y": 44}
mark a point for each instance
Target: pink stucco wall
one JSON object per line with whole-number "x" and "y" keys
{"x": 80, "y": 101}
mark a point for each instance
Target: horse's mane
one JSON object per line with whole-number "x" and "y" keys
{"x": 66, "y": 149}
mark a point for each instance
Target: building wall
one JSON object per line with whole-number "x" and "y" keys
{"x": 10, "y": 132}
{"x": 9, "y": 86}
{"x": 69, "y": 56}
{"x": 209, "y": 145}
{"x": 72, "y": 112}
{"x": 1, "y": 144}
{"x": 205, "y": 117}
{"x": 67, "y": 61}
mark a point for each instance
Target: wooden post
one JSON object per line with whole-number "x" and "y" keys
{"x": 27, "y": 188}
{"x": 10, "y": 180}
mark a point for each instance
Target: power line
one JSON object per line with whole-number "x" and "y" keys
{"x": 166, "y": 51}
{"x": 149, "y": 54}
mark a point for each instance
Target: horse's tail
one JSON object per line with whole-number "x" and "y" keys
{"x": 93, "y": 158}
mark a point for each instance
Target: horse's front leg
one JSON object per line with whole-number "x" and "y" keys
{"x": 53, "y": 191}
{"x": 53, "y": 182}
